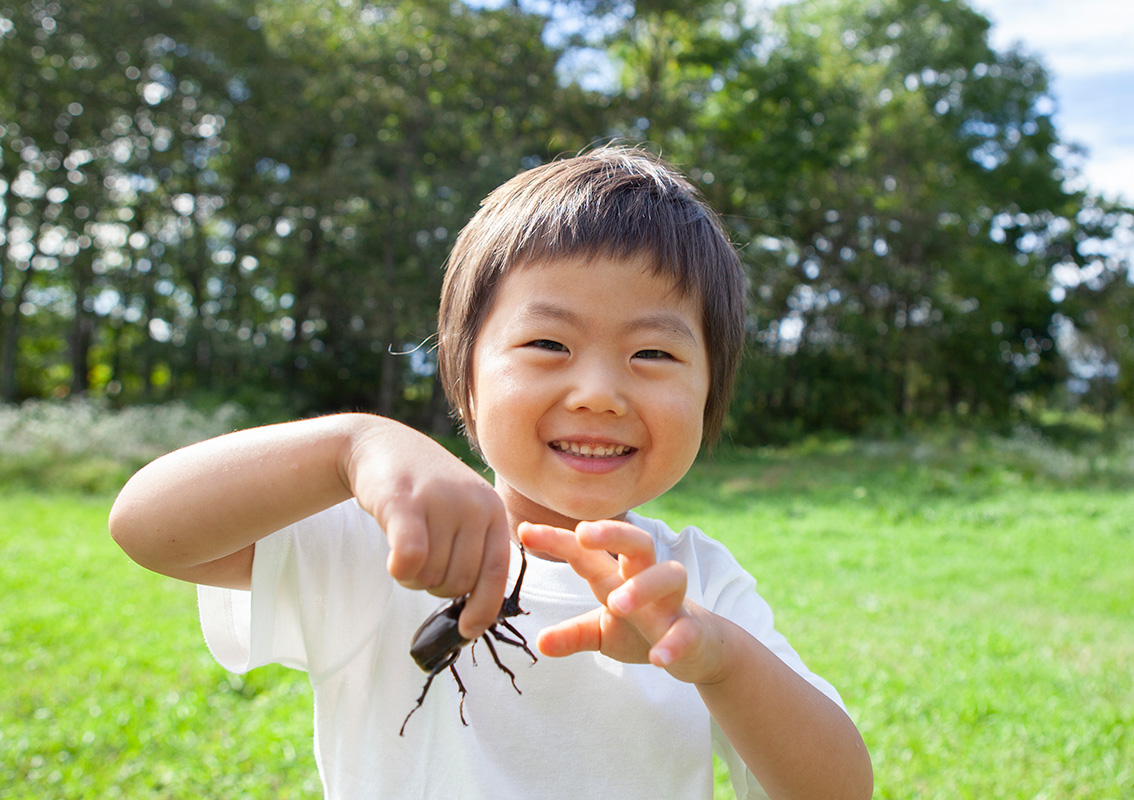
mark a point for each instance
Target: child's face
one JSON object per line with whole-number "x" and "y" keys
{"x": 589, "y": 389}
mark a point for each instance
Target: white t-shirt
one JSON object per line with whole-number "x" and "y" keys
{"x": 585, "y": 726}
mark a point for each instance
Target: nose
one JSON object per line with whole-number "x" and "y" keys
{"x": 598, "y": 386}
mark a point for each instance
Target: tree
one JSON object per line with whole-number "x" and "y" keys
{"x": 260, "y": 208}
{"x": 903, "y": 178}
{"x": 84, "y": 140}
{"x": 265, "y": 204}
{"x": 1097, "y": 277}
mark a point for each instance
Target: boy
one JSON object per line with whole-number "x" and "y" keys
{"x": 590, "y": 325}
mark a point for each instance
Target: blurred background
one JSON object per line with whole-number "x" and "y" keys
{"x": 1086, "y": 47}
{"x": 218, "y": 213}
{"x": 217, "y": 201}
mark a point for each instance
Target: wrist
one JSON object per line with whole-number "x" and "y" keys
{"x": 724, "y": 646}
{"x": 354, "y": 433}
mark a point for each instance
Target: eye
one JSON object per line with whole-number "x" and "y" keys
{"x": 547, "y": 344}
{"x": 654, "y": 355}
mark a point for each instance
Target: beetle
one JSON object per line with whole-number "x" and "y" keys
{"x": 437, "y": 644}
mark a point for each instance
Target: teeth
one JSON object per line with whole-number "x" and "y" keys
{"x": 592, "y": 450}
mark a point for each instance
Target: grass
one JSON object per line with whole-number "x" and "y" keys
{"x": 109, "y": 690}
{"x": 970, "y": 596}
{"x": 971, "y": 601}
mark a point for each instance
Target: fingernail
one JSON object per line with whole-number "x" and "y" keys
{"x": 619, "y": 601}
{"x": 662, "y": 657}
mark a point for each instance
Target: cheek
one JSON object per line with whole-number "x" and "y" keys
{"x": 684, "y": 419}
{"x": 688, "y": 427}
{"x": 498, "y": 404}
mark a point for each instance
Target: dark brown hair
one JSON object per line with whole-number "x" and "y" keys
{"x": 611, "y": 201}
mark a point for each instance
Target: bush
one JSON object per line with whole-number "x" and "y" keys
{"x": 88, "y": 446}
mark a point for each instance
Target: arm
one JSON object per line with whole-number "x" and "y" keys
{"x": 797, "y": 742}
{"x": 197, "y": 513}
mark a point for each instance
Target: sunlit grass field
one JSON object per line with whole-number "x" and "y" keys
{"x": 971, "y": 596}
{"x": 974, "y": 604}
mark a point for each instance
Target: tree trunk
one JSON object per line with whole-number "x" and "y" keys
{"x": 79, "y": 337}
{"x": 9, "y": 353}
{"x": 388, "y": 384}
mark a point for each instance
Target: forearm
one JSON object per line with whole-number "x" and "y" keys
{"x": 796, "y": 741}
{"x": 213, "y": 499}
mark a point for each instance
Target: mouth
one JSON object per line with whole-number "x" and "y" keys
{"x": 590, "y": 450}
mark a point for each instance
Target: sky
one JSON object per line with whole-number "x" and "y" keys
{"x": 1088, "y": 49}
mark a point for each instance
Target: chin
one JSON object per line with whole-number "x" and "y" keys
{"x": 591, "y": 511}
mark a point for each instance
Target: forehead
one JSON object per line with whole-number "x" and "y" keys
{"x": 597, "y": 292}
{"x": 634, "y": 277}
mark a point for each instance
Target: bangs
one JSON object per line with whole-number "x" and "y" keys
{"x": 623, "y": 206}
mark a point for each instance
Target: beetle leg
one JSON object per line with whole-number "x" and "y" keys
{"x": 420, "y": 700}
{"x": 522, "y": 643}
{"x": 461, "y": 686}
{"x": 500, "y": 664}
{"x": 425, "y": 689}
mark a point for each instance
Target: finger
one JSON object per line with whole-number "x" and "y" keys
{"x": 661, "y": 587}
{"x": 591, "y": 565}
{"x": 431, "y": 576}
{"x": 408, "y": 538}
{"x": 596, "y": 567}
{"x": 633, "y": 546}
{"x": 651, "y": 600}
{"x": 571, "y": 636}
{"x": 471, "y": 517}
{"x": 467, "y": 539}
{"x": 548, "y": 540}
{"x": 487, "y": 596}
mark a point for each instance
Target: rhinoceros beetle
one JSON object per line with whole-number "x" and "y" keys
{"x": 438, "y": 643}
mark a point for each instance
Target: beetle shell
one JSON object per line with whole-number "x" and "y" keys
{"x": 438, "y": 638}
{"x": 438, "y": 642}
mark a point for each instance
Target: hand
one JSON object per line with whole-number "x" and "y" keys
{"x": 445, "y": 524}
{"x": 644, "y": 614}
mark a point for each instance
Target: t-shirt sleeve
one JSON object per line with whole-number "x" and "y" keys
{"x": 318, "y": 588}
{"x": 727, "y": 589}
{"x": 736, "y": 598}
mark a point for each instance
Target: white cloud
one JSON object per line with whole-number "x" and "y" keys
{"x": 1088, "y": 48}
{"x": 1075, "y": 37}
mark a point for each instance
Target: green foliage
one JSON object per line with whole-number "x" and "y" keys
{"x": 277, "y": 188}
{"x": 968, "y": 594}
{"x": 898, "y": 266}
{"x": 227, "y": 198}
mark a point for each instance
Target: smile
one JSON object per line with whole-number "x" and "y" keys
{"x": 591, "y": 450}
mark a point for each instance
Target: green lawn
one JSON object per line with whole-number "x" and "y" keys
{"x": 973, "y": 602}
{"x": 109, "y": 690}
{"x": 978, "y": 617}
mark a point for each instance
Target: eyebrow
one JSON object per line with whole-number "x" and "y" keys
{"x": 549, "y": 311}
{"x": 666, "y": 322}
